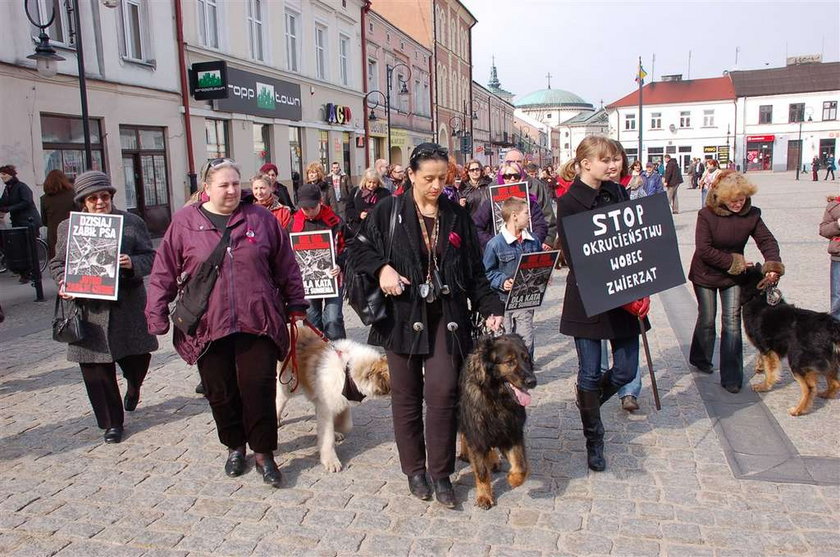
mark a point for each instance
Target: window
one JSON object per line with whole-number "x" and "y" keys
{"x": 629, "y": 121}
{"x": 402, "y": 100}
{"x": 208, "y": 23}
{"x": 292, "y": 50}
{"x": 427, "y": 110}
{"x": 255, "y": 28}
{"x": 685, "y": 119}
{"x": 324, "y": 147}
{"x": 765, "y": 114}
{"x": 708, "y": 118}
{"x": 372, "y": 75}
{"x": 829, "y": 110}
{"x": 216, "y": 138}
{"x": 320, "y": 52}
{"x": 344, "y": 59}
{"x": 59, "y": 31}
{"x": 134, "y": 26}
{"x": 262, "y": 143}
{"x": 64, "y": 144}
{"x": 796, "y": 112}
{"x": 418, "y": 102}
{"x": 656, "y": 120}
{"x": 144, "y": 170}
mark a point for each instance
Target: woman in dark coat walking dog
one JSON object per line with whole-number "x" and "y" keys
{"x": 435, "y": 266}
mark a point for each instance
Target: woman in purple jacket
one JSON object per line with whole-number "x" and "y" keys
{"x": 243, "y": 332}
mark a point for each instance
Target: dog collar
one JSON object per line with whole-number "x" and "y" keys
{"x": 350, "y": 391}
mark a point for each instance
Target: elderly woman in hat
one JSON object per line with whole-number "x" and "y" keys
{"x": 115, "y": 331}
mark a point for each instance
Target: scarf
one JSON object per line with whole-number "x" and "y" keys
{"x": 367, "y": 193}
{"x": 326, "y": 219}
{"x": 269, "y": 203}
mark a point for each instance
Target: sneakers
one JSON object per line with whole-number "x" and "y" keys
{"x": 629, "y": 403}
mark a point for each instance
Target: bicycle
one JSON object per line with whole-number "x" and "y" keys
{"x": 40, "y": 249}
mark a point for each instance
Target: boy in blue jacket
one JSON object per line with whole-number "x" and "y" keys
{"x": 501, "y": 257}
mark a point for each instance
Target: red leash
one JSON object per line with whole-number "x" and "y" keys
{"x": 291, "y": 356}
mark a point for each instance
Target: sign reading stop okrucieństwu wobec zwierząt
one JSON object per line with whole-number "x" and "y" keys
{"x": 623, "y": 252}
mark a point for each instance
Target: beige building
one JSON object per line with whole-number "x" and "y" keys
{"x": 493, "y": 125}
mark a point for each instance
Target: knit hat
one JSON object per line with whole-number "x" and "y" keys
{"x": 90, "y": 182}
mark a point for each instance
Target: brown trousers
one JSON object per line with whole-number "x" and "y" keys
{"x": 438, "y": 386}
{"x": 239, "y": 373}
{"x": 103, "y": 391}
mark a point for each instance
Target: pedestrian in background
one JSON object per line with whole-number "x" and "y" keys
{"x": 830, "y": 229}
{"x": 672, "y": 180}
{"x": 652, "y": 180}
{"x": 281, "y": 191}
{"x": 315, "y": 175}
{"x": 474, "y": 188}
{"x": 17, "y": 200}
{"x": 262, "y": 191}
{"x": 636, "y": 185}
{"x": 709, "y": 177}
{"x": 243, "y": 333}
{"x": 56, "y": 205}
{"x": 363, "y": 198}
{"x": 815, "y": 168}
{"x": 724, "y": 226}
{"x": 592, "y": 189}
{"x": 829, "y": 167}
{"x": 115, "y": 331}
{"x": 341, "y": 187}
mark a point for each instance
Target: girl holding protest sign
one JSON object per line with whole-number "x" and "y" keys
{"x": 592, "y": 189}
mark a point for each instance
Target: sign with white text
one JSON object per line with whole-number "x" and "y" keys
{"x": 315, "y": 255}
{"x": 92, "y": 263}
{"x": 623, "y": 252}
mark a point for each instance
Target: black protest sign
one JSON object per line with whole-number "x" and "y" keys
{"x": 623, "y": 252}
{"x": 92, "y": 260}
{"x": 531, "y": 280}
{"x": 315, "y": 255}
{"x": 498, "y": 194}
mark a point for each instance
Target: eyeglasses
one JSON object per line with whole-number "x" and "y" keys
{"x": 213, "y": 164}
{"x": 104, "y": 196}
{"x": 428, "y": 151}
{"x": 475, "y": 170}
{"x": 516, "y": 176}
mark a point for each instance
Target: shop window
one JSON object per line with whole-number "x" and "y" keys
{"x": 829, "y": 110}
{"x": 765, "y": 114}
{"x": 59, "y": 31}
{"x": 262, "y": 143}
{"x": 344, "y": 59}
{"x": 629, "y": 121}
{"x": 324, "y": 148}
{"x": 656, "y": 120}
{"x": 63, "y": 144}
{"x": 255, "y": 29}
{"x": 208, "y": 22}
{"x": 796, "y": 112}
{"x": 295, "y": 158}
{"x": 292, "y": 42}
{"x": 216, "y": 138}
{"x": 321, "y": 52}
{"x": 144, "y": 167}
{"x": 685, "y": 119}
{"x": 708, "y": 118}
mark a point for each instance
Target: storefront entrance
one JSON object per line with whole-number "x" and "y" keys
{"x": 146, "y": 177}
{"x": 760, "y": 152}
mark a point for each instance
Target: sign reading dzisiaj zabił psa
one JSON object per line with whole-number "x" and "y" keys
{"x": 92, "y": 267}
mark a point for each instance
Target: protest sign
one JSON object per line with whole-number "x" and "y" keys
{"x": 498, "y": 194}
{"x": 623, "y": 252}
{"x": 531, "y": 280}
{"x": 315, "y": 255}
{"x": 92, "y": 267}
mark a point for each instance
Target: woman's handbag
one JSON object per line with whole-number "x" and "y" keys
{"x": 194, "y": 291}
{"x": 363, "y": 292}
{"x": 67, "y": 327}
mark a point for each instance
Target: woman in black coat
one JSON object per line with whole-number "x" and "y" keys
{"x": 362, "y": 199}
{"x": 435, "y": 266}
{"x": 17, "y": 199}
{"x": 597, "y": 157}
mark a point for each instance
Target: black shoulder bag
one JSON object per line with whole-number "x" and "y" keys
{"x": 68, "y": 327}
{"x": 363, "y": 292}
{"x": 194, "y": 291}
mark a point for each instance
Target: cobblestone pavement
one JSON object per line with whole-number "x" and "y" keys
{"x": 668, "y": 489}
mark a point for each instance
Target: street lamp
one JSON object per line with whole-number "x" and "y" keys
{"x": 457, "y": 125}
{"x": 799, "y": 164}
{"x": 386, "y": 96}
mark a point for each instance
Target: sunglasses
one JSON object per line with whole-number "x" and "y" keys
{"x": 475, "y": 170}
{"x": 215, "y": 163}
{"x": 516, "y": 176}
{"x": 428, "y": 152}
{"x": 104, "y": 196}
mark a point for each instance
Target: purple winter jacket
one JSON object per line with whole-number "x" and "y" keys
{"x": 258, "y": 285}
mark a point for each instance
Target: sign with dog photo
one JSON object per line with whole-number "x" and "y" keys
{"x": 93, "y": 256}
{"x": 315, "y": 255}
{"x": 623, "y": 252}
{"x": 498, "y": 194}
{"x": 531, "y": 280}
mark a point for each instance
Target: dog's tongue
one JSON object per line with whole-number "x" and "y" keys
{"x": 522, "y": 397}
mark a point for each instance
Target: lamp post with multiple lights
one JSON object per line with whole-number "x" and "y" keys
{"x": 386, "y": 97}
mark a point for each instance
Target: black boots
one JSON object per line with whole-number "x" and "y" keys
{"x": 418, "y": 485}
{"x": 589, "y": 404}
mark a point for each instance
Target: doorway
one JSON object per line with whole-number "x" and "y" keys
{"x": 144, "y": 168}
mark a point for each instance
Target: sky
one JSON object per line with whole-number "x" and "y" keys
{"x": 592, "y": 47}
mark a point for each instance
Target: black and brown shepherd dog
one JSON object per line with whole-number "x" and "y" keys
{"x": 494, "y": 393}
{"x": 810, "y": 341}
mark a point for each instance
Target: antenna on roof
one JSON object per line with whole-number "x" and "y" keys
{"x": 737, "y": 50}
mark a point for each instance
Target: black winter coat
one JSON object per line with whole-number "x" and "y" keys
{"x": 673, "y": 176}
{"x": 476, "y": 195}
{"x": 356, "y": 204}
{"x": 615, "y": 323}
{"x": 18, "y": 202}
{"x": 460, "y": 267}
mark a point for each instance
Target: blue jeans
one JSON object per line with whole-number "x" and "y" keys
{"x": 327, "y": 314}
{"x": 625, "y": 353}
{"x": 703, "y": 193}
{"x": 634, "y": 387}
{"x": 703, "y": 341}
{"x": 835, "y": 289}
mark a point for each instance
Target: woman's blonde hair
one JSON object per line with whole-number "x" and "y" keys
{"x": 592, "y": 147}
{"x": 316, "y": 167}
{"x": 370, "y": 174}
{"x": 260, "y": 178}
{"x": 729, "y": 185}
{"x": 214, "y": 165}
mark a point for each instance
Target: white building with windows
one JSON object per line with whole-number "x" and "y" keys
{"x": 683, "y": 118}
{"x": 133, "y": 92}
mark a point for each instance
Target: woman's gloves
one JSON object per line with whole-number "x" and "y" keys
{"x": 639, "y": 308}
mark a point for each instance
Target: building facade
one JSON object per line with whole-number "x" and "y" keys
{"x": 492, "y": 125}
{"x": 133, "y": 92}
{"x": 392, "y": 53}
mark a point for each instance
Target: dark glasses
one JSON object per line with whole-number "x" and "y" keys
{"x": 213, "y": 164}
{"x": 93, "y": 198}
{"x": 425, "y": 152}
{"x": 475, "y": 170}
{"x": 516, "y": 176}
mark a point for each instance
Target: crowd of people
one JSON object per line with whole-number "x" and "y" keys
{"x": 440, "y": 267}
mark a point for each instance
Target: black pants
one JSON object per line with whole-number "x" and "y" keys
{"x": 239, "y": 373}
{"x": 439, "y": 388}
{"x": 102, "y": 388}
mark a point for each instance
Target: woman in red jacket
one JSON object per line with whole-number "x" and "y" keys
{"x": 243, "y": 332}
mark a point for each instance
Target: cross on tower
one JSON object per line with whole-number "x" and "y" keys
{"x": 549, "y": 79}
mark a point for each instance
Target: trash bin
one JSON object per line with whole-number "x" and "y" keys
{"x": 14, "y": 243}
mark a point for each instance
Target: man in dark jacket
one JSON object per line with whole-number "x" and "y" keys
{"x": 341, "y": 187}
{"x": 672, "y": 180}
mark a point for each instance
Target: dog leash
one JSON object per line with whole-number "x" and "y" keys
{"x": 291, "y": 356}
